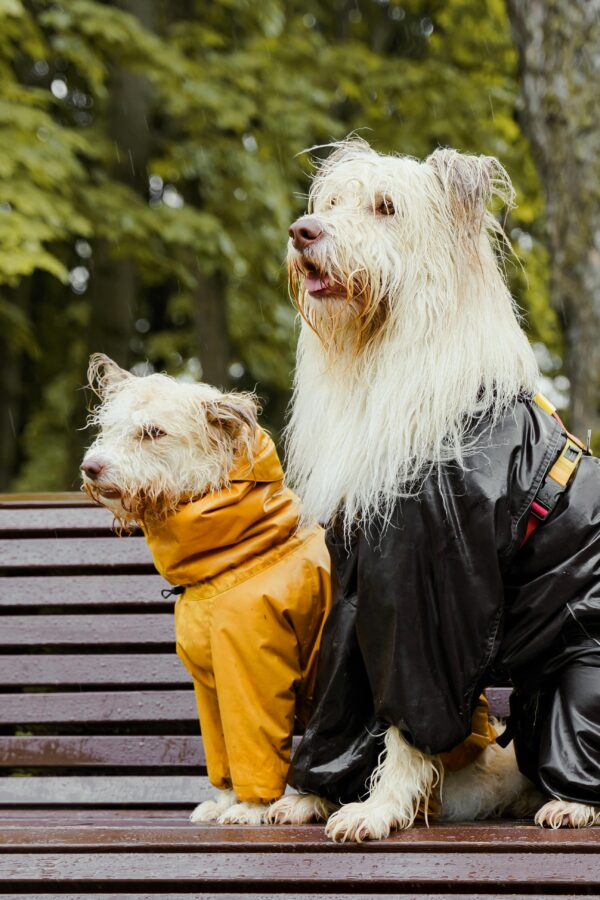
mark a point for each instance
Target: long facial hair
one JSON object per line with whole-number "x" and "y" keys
{"x": 387, "y": 390}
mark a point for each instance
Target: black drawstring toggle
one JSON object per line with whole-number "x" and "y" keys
{"x": 172, "y": 592}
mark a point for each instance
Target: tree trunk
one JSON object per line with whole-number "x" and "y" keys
{"x": 114, "y": 284}
{"x": 211, "y": 327}
{"x": 559, "y": 51}
{"x": 11, "y": 361}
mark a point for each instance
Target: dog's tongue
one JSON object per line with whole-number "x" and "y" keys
{"x": 315, "y": 283}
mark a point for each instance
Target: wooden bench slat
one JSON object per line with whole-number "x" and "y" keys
{"x": 110, "y": 706}
{"x": 443, "y": 838}
{"x": 276, "y": 895}
{"x": 55, "y": 816}
{"x": 41, "y": 499}
{"x": 68, "y": 670}
{"x": 74, "y": 553}
{"x": 87, "y": 630}
{"x": 80, "y": 590}
{"x": 100, "y": 790}
{"x": 104, "y": 750}
{"x": 269, "y": 870}
{"x": 56, "y": 522}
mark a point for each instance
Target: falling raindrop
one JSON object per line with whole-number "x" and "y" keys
{"x": 172, "y": 198}
{"x": 249, "y": 142}
{"x": 59, "y": 88}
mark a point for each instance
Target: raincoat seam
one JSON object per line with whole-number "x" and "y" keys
{"x": 255, "y": 570}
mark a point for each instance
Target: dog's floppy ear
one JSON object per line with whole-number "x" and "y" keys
{"x": 231, "y": 413}
{"x": 471, "y": 183}
{"x": 103, "y": 373}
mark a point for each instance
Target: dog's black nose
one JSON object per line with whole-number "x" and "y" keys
{"x": 305, "y": 231}
{"x": 93, "y": 467}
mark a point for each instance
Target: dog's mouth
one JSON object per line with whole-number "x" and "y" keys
{"x": 109, "y": 494}
{"x": 100, "y": 492}
{"x": 319, "y": 283}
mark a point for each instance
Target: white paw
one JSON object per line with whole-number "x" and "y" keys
{"x": 565, "y": 814}
{"x": 210, "y": 810}
{"x": 243, "y": 814}
{"x": 362, "y": 822}
{"x": 298, "y": 809}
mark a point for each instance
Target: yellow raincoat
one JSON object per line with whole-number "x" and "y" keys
{"x": 249, "y": 623}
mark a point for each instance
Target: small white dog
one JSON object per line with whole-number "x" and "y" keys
{"x": 190, "y": 465}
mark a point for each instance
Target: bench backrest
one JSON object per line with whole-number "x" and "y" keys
{"x": 96, "y": 707}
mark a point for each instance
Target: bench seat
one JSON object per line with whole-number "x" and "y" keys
{"x": 101, "y": 760}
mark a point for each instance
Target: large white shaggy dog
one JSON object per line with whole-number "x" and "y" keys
{"x": 191, "y": 466}
{"x": 409, "y": 335}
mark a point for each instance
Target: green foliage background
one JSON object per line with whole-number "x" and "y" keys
{"x": 152, "y": 162}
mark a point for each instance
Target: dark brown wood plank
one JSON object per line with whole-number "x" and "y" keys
{"x": 276, "y": 895}
{"x": 100, "y": 790}
{"x": 69, "y": 670}
{"x": 72, "y": 553}
{"x": 81, "y": 751}
{"x": 87, "y": 630}
{"x": 451, "y": 838}
{"x": 278, "y": 870}
{"x": 110, "y": 706}
{"x": 56, "y": 522}
{"x": 81, "y": 590}
{"x": 56, "y": 816}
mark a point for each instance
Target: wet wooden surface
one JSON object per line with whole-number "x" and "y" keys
{"x": 82, "y": 751}
{"x": 114, "y": 669}
{"x": 108, "y": 707}
{"x": 105, "y": 553}
{"x": 91, "y": 590}
{"x": 295, "y": 869}
{"x": 86, "y": 630}
{"x": 114, "y": 829}
{"x": 78, "y": 818}
{"x": 101, "y": 790}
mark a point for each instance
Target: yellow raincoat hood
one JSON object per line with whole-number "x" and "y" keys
{"x": 228, "y": 528}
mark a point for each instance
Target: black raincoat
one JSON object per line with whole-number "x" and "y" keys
{"x": 445, "y": 601}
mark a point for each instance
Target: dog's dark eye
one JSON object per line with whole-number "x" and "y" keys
{"x": 384, "y": 206}
{"x": 152, "y": 432}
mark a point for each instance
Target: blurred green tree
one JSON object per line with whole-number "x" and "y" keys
{"x": 150, "y": 173}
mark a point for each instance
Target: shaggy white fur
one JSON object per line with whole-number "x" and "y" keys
{"x": 225, "y": 809}
{"x": 405, "y": 780}
{"x": 299, "y": 809}
{"x": 402, "y": 782}
{"x": 210, "y": 810}
{"x": 421, "y": 337}
{"x": 564, "y": 814}
{"x": 161, "y": 440}
{"x": 409, "y": 335}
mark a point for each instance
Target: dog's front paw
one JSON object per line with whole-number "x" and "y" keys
{"x": 243, "y": 814}
{"x": 361, "y": 822}
{"x": 210, "y": 810}
{"x": 298, "y": 809}
{"x": 565, "y": 814}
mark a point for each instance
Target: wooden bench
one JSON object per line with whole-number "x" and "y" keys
{"x": 102, "y": 760}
